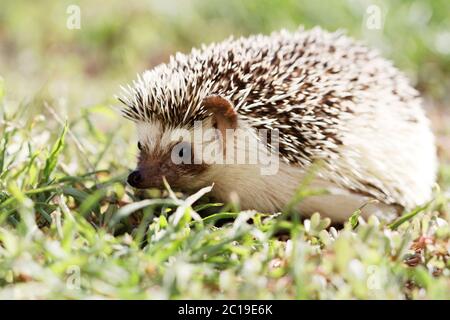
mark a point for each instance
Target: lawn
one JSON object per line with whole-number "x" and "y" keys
{"x": 70, "y": 226}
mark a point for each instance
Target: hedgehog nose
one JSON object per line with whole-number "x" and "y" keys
{"x": 134, "y": 178}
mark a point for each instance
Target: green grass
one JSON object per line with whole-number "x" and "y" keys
{"x": 87, "y": 235}
{"x": 70, "y": 227}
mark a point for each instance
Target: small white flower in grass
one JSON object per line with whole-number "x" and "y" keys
{"x": 333, "y": 232}
{"x": 357, "y": 269}
{"x": 307, "y": 224}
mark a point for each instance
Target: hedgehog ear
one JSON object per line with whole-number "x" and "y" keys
{"x": 223, "y": 112}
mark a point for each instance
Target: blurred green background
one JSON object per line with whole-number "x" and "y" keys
{"x": 73, "y": 69}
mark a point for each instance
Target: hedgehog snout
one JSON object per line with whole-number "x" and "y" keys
{"x": 134, "y": 179}
{"x": 151, "y": 172}
{"x": 147, "y": 177}
{"x": 144, "y": 178}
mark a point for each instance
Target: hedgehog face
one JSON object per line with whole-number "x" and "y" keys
{"x": 176, "y": 154}
{"x": 162, "y": 156}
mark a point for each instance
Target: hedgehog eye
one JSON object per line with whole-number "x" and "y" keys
{"x": 139, "y": 145}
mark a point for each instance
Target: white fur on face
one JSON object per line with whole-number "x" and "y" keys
{"x": 149, "y": 134}
{"x": 152, "y": 136}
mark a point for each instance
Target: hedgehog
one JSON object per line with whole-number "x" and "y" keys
{"x": 337, "y": 107}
